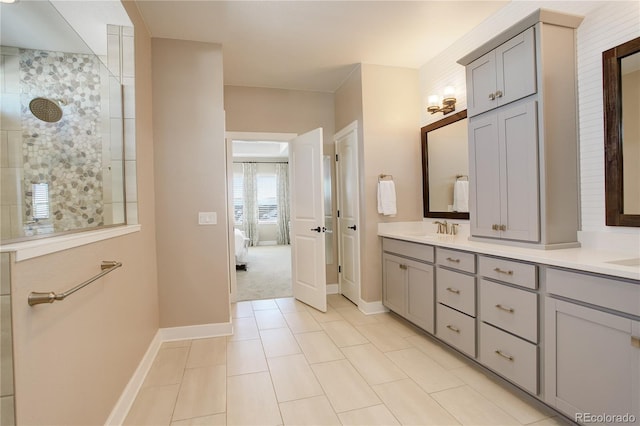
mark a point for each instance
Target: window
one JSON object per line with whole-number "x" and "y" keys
{"x": 238, "y": 197}
{"x": 40, "y": 202}
{"x": 267, "y": 198}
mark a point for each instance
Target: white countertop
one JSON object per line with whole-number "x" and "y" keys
{"x": 582, "y": 259}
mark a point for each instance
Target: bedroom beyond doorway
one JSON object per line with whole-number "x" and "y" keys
{"x": 268, "y": 273}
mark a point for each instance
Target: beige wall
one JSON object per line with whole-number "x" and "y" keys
{"x": 190, "y": 177}
{"x": 253, "y": 109}
{"x": 74, "y": 358}
{"x": 386, "y": 103}
{"x": 391, "y": 142}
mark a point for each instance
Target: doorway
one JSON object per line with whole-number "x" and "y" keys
{"x": 258, "y": 193}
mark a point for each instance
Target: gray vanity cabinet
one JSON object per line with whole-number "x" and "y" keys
{"x": 504, "y": 75}
{"x": 408, "y": 281}
{"x": 456, "y": 299}
{"x": 503, "y": 158}
{"x": 523, "y": 144}
{"x": 594, "y": 346}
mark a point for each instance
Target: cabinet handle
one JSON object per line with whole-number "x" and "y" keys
{"x": 492, "y": 96}
{"x": 502, "y": 308}
{"x": 502, "y": 227}
{"x": 451, "y": 259}
{"x": 503, "y": 355}
{"x": 453, "y": 290}
{"x": 452, "y": 328}
{"x": 499, "y": 94}
{"x": 635, "y": 341}
{"x": 402, "y": 266}
{"x": 502, "y": 271}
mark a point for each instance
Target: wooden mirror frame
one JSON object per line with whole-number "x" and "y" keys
{"x": 613, "y": 170}
{"x": 425, "y": 166}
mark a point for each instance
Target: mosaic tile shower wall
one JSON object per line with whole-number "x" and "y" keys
{"x": 66, "y": 155}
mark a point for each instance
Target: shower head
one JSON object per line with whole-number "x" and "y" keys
{"x": 46, "y": 109}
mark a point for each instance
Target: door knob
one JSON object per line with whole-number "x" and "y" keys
{"x": 317, "y": 229}
{"x": 352, "y": 227}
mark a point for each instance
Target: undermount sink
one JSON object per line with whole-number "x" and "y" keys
{"x": 418, "y": 235}
{"x": 626, "y": 262}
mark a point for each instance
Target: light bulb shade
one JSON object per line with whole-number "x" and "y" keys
{"x": 433, "y": 100}
{"x": 449, "y": 92}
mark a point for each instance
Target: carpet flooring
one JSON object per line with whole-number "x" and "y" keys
{"x": 268, "y": 274}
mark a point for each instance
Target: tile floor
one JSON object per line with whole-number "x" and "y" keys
{"x": 290, "y": 364}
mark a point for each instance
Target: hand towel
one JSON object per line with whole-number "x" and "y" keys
{"x": 386, "y": 197}
{"x": 461, "y": 196}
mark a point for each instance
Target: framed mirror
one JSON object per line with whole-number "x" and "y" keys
{"x": 621, "y": 85}
{"x": 445, "y": 168}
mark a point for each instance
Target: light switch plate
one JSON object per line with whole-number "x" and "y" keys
{"x": 207, "y": 218}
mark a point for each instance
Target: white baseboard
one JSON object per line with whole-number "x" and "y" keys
{"x": 196, "y": 331}
{"x": 333, "y": 289}
{"x": 369, "y": 308}
{"x": 122, "y": 407}
{"x": 128, "y": 396}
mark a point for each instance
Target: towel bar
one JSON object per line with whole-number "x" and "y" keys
{"x": 36, "y": 298}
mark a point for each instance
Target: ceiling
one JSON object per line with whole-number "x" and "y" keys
{"x": 315, "y": 45}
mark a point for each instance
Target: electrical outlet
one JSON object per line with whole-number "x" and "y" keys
{"x": 207, "y": 218}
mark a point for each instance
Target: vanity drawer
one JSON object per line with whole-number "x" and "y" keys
{"x": 509, "y": 356}
{"x": 510, "y": 309}
{"x": 518, "y": 273}
{"x": 457, "y": 329}
{"x": 456, "y": 290}
{"x": 456, "y": 259}
{"x": 404, "y": 248}
{"x": 623, "y": 296}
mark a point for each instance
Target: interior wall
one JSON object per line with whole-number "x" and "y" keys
{"x": 391, "y": 145}
{"x": 605, "y": 25}
{"x": 74, "y": 358}
{"x": 190, "y": 175}
{"x": 256, "y": 109}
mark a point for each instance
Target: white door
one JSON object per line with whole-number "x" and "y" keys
{"x": 348, "y": 213}
{"x": 308, "y": 273}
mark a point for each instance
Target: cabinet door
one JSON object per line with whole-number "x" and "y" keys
{"x": 484, "y": 173}
{"x": 592, "y": 361}
{"x": 394, "y": 283}
{"x": 518, "y": 138}
{"x": 481, "y": 84}
{"x": 516, "y": 68}
{"x": 420, "y": 295}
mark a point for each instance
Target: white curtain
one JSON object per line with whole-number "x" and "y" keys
{"x": 282, "y": 180}
{"x": 250, "y": 203}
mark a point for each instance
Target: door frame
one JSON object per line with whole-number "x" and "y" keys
{"x": 229, "y": 138}
{"x": 351, "y": 127}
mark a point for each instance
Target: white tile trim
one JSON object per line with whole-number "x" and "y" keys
{"x": 35, "y": 248}
{"x": 196, "y": 331}
{"x": 370, "y": 308}
{"x": 333, "y": 289}
{"x": 128, "y": 396}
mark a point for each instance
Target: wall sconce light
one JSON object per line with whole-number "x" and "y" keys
{"x": 448, "y": 103}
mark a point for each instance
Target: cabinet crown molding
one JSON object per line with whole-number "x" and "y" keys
{"x": 545, "y": 16}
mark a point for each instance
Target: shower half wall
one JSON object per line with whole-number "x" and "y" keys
{"x": 65, "y": 175}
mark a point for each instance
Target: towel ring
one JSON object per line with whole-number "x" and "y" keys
{"x": 382, "y": 177}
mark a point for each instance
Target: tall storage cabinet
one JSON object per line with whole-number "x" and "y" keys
{"x": 523, "y": 141}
